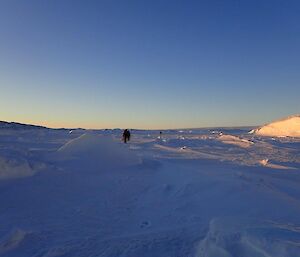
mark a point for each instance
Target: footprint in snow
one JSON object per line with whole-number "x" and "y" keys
{"x": 145, "y": 224}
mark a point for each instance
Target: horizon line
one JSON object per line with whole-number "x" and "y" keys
{"x": 132, "y": 128}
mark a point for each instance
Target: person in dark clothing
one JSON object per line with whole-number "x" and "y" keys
{"x": 126, "y": 136}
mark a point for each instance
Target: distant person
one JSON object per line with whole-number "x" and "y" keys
{"x": 126, "y": 136}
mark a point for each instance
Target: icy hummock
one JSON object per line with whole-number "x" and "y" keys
{"x": 15, "y": 168}
{"x": 287, "y": 127}
{"x": 234, "y": 140}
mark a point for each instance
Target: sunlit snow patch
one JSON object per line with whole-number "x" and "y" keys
{"x": 267, "y": 163}
{"x": 233, "y": 140}
{"x": 288, "y": 127}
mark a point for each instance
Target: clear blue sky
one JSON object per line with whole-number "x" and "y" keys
{"x": 149, "y": 64}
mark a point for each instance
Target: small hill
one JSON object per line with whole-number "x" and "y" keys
{"x": 287, "y": 127}
{"x": 16, "y": 125}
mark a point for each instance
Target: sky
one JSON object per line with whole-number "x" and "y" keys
{"x": 149, "y": 64}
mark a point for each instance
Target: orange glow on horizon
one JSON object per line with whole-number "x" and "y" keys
{"x": 74, "y": 125}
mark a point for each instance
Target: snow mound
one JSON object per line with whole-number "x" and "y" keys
{"x": 267, "y": 163}
{"x": 15, "y": 168}
{"x": 13, "y": 240}
{"x": 234, "y": 140}
{"x": 248, "y": 238}
{"x": 98, "y": 151}
{"x": 288, "y": 127}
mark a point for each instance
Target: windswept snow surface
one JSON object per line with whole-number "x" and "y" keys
{"x": 97, "y": 150}
{"x": 188, "y": 193}
{"x": 288, "y": 127}
{"x": 234, "y": 140}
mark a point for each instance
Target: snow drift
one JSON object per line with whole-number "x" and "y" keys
{"x": 13, "y": 240}
{"x": 97, "y": 151}
{"x": 288, "y": 127}
{"x": 229, "y": 237}
{"x": 16, "y": 168}
{"x": 234, "y": 140}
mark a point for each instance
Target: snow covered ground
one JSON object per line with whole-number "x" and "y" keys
{"x": 191, "y": 193}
